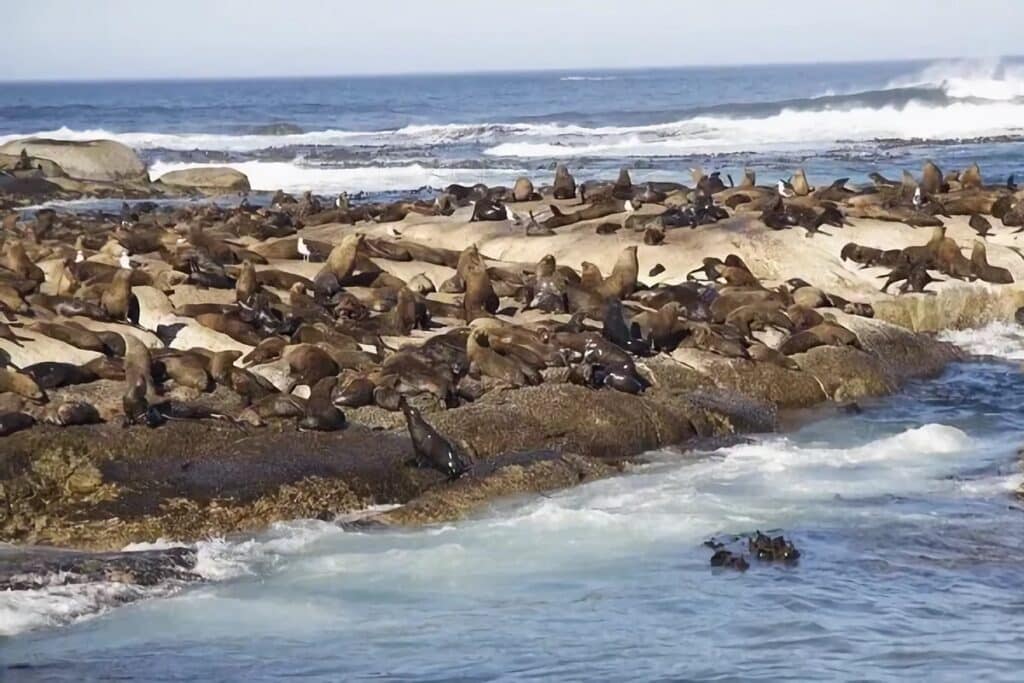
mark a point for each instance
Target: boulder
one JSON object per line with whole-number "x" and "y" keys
{"x": 208, "y": 179}
{"x": 44, "y": 168}
{"x": 95, "y": 160}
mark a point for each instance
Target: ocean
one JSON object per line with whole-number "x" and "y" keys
{"x": 912, "y": 538}
{"x": 404, "y": 133}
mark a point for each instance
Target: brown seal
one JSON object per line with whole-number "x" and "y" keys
{"x": 21, "y": 384}
{"x": 479, "y": 299}
{"x": 932, "y": 181}
{"x": 116, "y": 299}
{"x": 970, "y": 178}
{"x": 186, "y": 369}
{"x": 488, "y": 362}
{"x": 981, "y": 269}
{"x": 342, "y": 259}
{"x": 246, "y": 284}
{"x": 310, "y": 363}
{"x": 564, "y": 186}
{"x": 522, "y": 190}
{"x": 237, "y": 329}
{"x": 623, "y": 279}
{"x": 827, "y": 333}
{"x": 77, "y": 337}
{"x": 138, "y": 381}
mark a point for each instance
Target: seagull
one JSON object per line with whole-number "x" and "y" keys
{"x": 783, "y": 190}
{"x": 628, "y": 206}
{"x": 124, "y": 261}
{"x": 918, "y": 201}
{"x": 342, "y": 201}
{"x": 79, "y": 256}
{"x": 303, "y": 249}
{"x": 513, "y": 216}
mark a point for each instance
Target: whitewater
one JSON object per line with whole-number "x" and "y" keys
{"x": 905, "y": 514}
{"x": 767, "y": 119}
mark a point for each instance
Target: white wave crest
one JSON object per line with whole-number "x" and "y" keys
{"x": 295, "y": 176}
{"x": 1000, "y": 339}
{"x": 790, "y": 129}
{"x": 989, "y": 79}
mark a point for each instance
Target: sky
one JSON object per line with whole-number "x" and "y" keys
{"x": 117, "y": 39}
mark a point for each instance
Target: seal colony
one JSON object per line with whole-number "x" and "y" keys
{"x": 316, "y": 355}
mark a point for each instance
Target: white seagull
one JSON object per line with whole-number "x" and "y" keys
{"x": 79, "y": 256}
{"x": 918, "y": 200}
{"x": 782, "y": 189}
{"x": 124, "y": 261}
{"x": 303, "y": 249}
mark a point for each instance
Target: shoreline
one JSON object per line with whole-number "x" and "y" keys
{"x": 101, "y": 487}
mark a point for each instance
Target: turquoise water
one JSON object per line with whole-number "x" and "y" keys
{"x": 912, "y": 565}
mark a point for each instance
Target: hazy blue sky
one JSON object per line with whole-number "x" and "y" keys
{"x": 209, "y": 38}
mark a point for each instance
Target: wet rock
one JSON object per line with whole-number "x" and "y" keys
{"x": 726, "y": 559}
{"x": 35, "y": 567}
{"x": 772, "y": 548}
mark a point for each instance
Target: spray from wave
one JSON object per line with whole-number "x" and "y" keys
{"x": 987, "y": 79}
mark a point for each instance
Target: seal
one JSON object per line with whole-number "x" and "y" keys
{"x": 564, "y": 186}
{"x": 21, "y": 384}
{"x": 246, "y": 284}
{"x": 76, "y": 337}
{"x": 522, "y": 190}
{"x": 827, "y": 333}
{"x": 981, "y": 269}
{"x": 52, "y": 375}
{"x": 980, "y": 225}
{"x": 15, "y": 422}
{"x": 489, "y": 210}
{"x": 7, "y": 334}
{"x": 310, "y": 363}
{"x": 71, "y": 413}
{"x": 479, "y": 299}
{"x": 321, "y": 414}
{"x": 623, "y": 279}
{"x": 341, "y": 262}
{"x": 431, "y": 448}
{"x": 484, "y": 360}
{"x": 117, "y": 299}
{"x": 138, "y": 380}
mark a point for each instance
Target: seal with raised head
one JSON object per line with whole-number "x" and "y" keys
{"x": 431, "y": 448}
{"x": 564, "y": 186}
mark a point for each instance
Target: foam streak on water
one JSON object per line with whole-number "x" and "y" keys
{"x": 905, "y": 515}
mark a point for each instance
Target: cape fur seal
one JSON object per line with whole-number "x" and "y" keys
{"x": 430, "y": 448}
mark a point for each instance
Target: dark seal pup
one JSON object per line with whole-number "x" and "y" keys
{"x": 432, "y": 449}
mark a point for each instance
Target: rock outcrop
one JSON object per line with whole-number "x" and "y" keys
{"x": 207, "y": 179}
{"x": 92, "y": 160}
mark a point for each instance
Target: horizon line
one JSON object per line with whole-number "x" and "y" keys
{"x": 494, "y": 71}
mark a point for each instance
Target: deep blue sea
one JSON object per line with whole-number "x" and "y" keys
{"x": 406, "y": 132}
{"x": 912, "y": 537}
